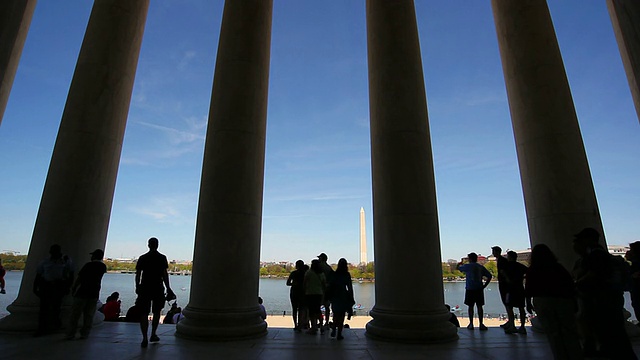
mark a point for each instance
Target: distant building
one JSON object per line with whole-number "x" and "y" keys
{"x": 481, "y": 259}
{"x": 524, "y": 256}
{"x": 618, "y": 249}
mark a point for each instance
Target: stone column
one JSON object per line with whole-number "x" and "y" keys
{"x": 76, "y": 202}
{"x": 405, "y": 219}
{"x": 558, "y": 192}
{"x": 223, "y": 303}
{"x": 625, "y": 17}
{"x": 15, "y": 18}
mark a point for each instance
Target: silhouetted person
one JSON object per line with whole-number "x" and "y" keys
{"x": 111, "y": 308}
{"x": 178, "y": 316}
{"x": 263, "y": 311}
{"x": 151, "y": 280}
{"x": 553, "y": 292}
{"x": 633, "y": 255}
{"x": 296, "y": 294}
{"x": 514, "y": 276}
{"x": 328, "y": 274}
{"x": 342, "y": 299}
{"x": 501, "y": 261}
{"x": 477, "y": 278}
{"x": 601, "y": 302}
{"x": 85, "y": 292}
{"x": 168, "y": 318}
{"x": 53, "y": 280}
{"x": 133, "y": 314}
{"x": 314, "y": 285}
{"x": 2, "y": 274}
{"x": 452, "y": 317}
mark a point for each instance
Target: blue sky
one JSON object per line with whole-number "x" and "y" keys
{"x": 318, "y": 169}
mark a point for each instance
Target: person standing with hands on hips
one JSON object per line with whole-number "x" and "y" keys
{"x": 474, "y": 293}
{"x": 151, "y": 280}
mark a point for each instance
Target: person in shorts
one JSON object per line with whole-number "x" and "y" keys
{"x": 151, "y": 280}
{"x": 477, "y": 278}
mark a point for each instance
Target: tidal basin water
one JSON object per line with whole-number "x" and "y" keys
{"x": 274, "y": 292}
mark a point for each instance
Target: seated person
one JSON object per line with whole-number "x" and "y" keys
{"x": 168, "y": 319}
{"x": 453, "y": 318}
{"x": 263, "y": 311}
{"x": 178, "y": 316}
{"x": 133, "y": 314}
{"x": 111, "y": 309}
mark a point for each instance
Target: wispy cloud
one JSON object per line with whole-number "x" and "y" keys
{"x": 484, "y": 98}
{"x": 172, "y": 209}
{"x": 186, "y": 59}
{"x": 177, "y": 142}
{"x": 176, "y": 136}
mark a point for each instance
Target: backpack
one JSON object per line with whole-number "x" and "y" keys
{"x": 620, "y": 273}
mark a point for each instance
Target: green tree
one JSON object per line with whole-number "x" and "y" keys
{"x": 492, "y": 266}
{"x": 13, "y": 262}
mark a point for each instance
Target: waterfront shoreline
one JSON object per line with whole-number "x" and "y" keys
{"x": 360, "y": 322}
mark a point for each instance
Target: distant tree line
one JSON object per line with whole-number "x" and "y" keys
{"x": 13, "y": 262}
{"x": 449, "y": 271}
{"x": 365, "y": 272}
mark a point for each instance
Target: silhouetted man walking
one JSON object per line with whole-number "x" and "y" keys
{"x": 151, "y": 279}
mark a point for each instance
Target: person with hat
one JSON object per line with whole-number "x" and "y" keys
{"x": 85, "y": 292}
{"x": 600, "y": 304}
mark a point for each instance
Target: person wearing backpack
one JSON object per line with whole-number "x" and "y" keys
{"x": 600, "y": 299}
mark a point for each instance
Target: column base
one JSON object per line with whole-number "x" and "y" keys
{"x": 212, "y": 325}
{"x": 418, "y": 327}
{"x": 24, "y": 318}
{"x": 21, "y": 318}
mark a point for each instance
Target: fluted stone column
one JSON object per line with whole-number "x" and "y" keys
{"x": 15, "y": 18}
{"x": 76, "y": 202}
{"x": 625, "y": 17}
{"x": 405, "y": 219}
{"x": 558, "y": 192}
{"x": 223, "y": 303}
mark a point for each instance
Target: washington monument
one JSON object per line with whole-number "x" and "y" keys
{"x": 363, "y": 239}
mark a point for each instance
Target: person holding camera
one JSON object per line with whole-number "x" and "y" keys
{"x": 151, "y": 280}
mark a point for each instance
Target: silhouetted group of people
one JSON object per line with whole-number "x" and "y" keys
{"x": 317, "y": 286}
{"x": 582, "y": 312}
{"x": 55, "y": 279}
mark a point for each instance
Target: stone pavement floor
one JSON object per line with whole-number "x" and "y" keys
{"x": 121, "y": 341}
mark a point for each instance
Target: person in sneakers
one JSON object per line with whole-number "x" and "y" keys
{"x": 151, "y": 279}
{"x": 85, "y": 292}
{"x": 477, "y": 278}
{"x": 514, "y": 275}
